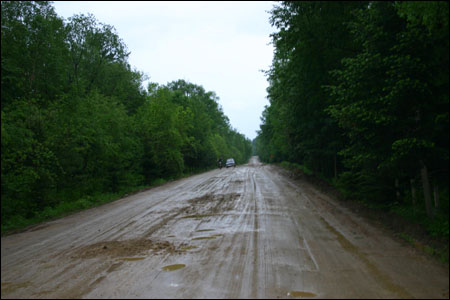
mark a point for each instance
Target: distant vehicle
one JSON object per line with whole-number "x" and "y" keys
{"x": 230, "y": 163}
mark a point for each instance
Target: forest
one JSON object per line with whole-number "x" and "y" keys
{"x": 359, "y": 96}
{"x": 77, "y": 126}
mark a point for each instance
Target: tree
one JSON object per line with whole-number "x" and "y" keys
{"x": 360, "y": 91}
{"x": 34, "y": 53}
{"x": 387, "y": 99}
{"x": 311, "y": 40}
{"x": 76, "y": 121}
{"x": 92, "y": 48}
{"x": 157, "y": 121}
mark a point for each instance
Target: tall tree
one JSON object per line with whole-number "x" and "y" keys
{"x": 76, "y": 120}
{"x": 389, "y": 98}
{"x": 311, "y": 40}
{"x": 34, "y": 53}
{"x": 362, "y": 86}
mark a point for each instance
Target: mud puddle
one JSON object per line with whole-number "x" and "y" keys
{"x": 188, "y": 248}
{"x": 173, "y": 267}
{"x": 203, "y": 238}
{"x": 208, "y": 237}
{"x": 211, "y": 205}
{"x": 127, "y": 250}
{"x": 199, "y": 216}
{"x": 301, "y": 294}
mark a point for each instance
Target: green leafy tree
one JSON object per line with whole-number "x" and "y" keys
{"x": 157, "y": 123}
{"x": 360, "y": 91}
{"x": 311, "y": 40}
{"x": 391, "y": 99}
{"x": 92, "y": 48}
{"x": 29, "y": 166}
{"x": 34, "y": 54}
{"x": 76, "y": 121}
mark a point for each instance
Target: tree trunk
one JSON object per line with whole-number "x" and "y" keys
{"x": 335, "y": 166}
{"x": 413, "y": 193}
{"x": 397, "y": 191}
{"x": 426, "y": 189}
{"x": 436, "y": 196}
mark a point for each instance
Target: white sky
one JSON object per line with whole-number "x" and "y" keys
{"x": 222, "y": 46}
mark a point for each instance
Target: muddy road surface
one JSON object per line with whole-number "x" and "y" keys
{"x": 244, "y": 232}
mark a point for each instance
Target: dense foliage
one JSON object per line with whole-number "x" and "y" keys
{"x": 75, "y": 120}
{"x": 359, "y": 94}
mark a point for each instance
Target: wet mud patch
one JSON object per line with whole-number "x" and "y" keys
{"x": 188, "y": 248}
{"x": 200, "y": 200}
{"x": 114, "y": 267}
{"x": 211, "y": 205}
{"x": 224, "y": 202}
{"x": 204, "y": 238}
{"x": 208, "y": 237}
{"x": 127, "y": 249}
{"x": 301, "y": 294}
{"x": 173, "y": 267}
{"x": 198, "y": 216}
{"x": 204, "y": 230}
{"x": 10, "y": 287}
{"x": 377, "y": 274}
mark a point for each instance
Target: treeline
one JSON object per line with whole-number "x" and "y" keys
{"x": 76, "y": 121}
{"x": 359, "y": 94}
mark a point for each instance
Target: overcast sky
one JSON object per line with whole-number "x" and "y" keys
{"x": 222, "y": 46}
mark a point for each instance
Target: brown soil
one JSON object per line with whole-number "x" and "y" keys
{"x": 395, "y": 224}
{"x": 248, "y": 232}
{"x": 126, "y": 248}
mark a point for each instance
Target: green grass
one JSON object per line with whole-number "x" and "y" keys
{"x": 441, "y": 253}
{"x": 296, "y": 167}
{"x": 64, "y": 208}
{"x": 436, "y": 226}
{"x": 16, "y": 223}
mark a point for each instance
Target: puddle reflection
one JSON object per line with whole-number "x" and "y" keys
{"x": 173, "y": 267}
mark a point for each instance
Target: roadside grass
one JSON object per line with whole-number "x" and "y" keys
{"x": 411, "y": 224}
{"x": 18, "y": 223}
{"x": 296, "y": 167}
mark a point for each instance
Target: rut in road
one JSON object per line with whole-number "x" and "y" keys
{"x": 244, "y": 232}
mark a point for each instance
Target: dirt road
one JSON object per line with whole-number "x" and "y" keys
{"x": 244, "y": 232}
